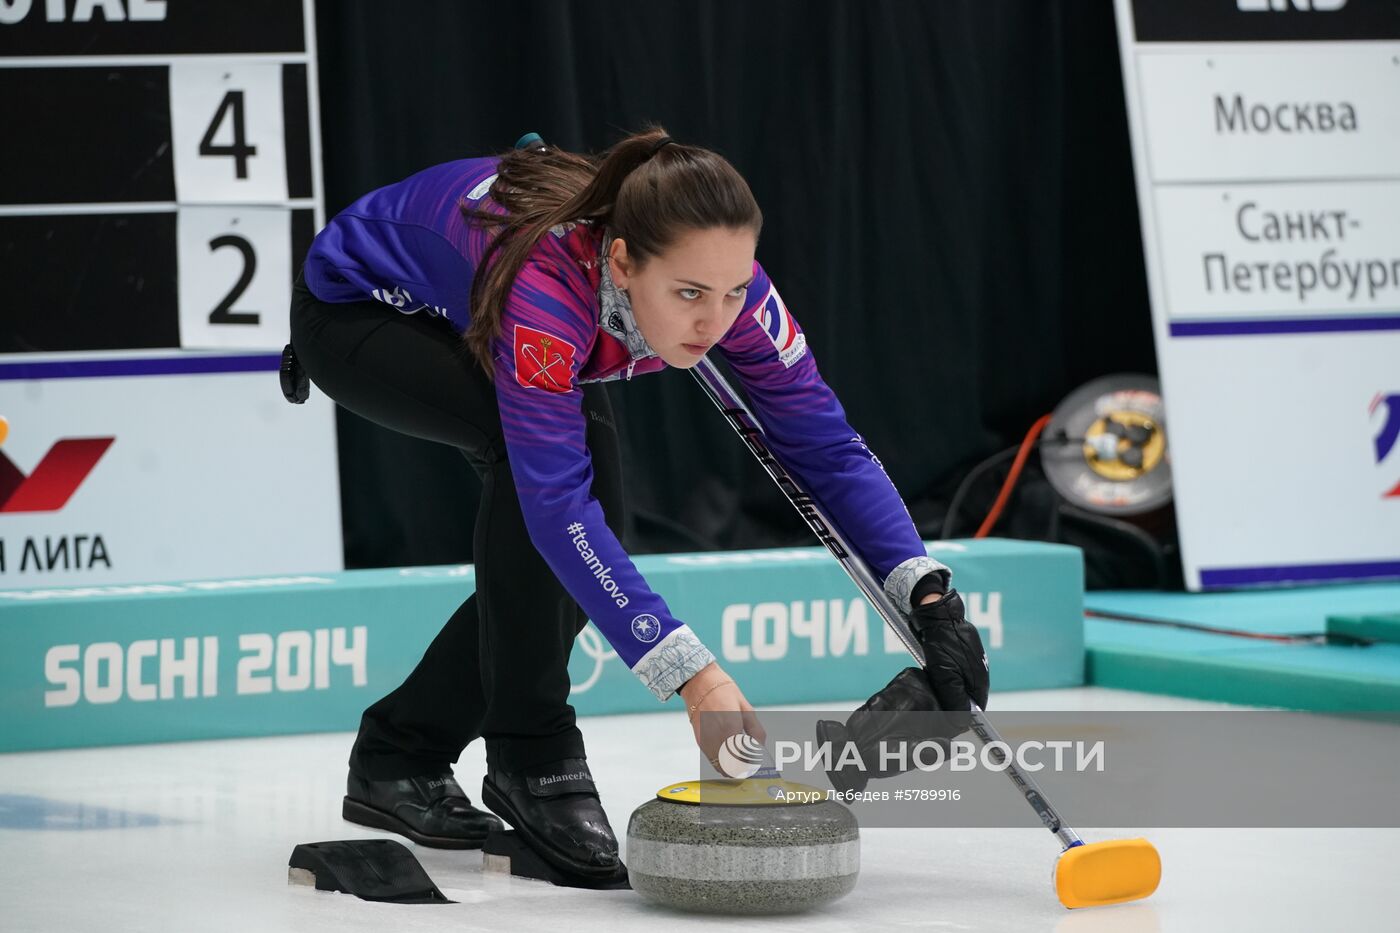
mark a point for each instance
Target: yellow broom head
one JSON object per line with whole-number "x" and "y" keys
{"x": 1112, "y": 872}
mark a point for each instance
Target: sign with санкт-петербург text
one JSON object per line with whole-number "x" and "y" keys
{"x": 1266, "y": 141}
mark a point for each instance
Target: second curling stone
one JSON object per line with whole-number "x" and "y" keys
{"x": 725, "y": 847}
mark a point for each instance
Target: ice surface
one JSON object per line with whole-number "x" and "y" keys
{"x": 196, "y": 836}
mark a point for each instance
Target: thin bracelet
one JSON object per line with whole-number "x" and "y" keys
{"x": 696, "y": 706}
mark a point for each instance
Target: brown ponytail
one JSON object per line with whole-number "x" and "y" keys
{"x": 647, "y": 196}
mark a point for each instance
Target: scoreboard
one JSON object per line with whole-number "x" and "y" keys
{"x": 160, "y": 182}
{"x": 170, "y": 157}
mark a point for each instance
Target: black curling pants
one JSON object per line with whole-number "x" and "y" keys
{"x": 499, "y": 667}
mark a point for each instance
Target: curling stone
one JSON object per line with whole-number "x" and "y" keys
{"x": 742, "y": 847}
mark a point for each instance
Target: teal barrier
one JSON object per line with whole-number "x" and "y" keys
{"x": 111, "y": 665}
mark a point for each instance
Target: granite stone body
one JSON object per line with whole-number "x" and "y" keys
{"x": 769, "y": 858}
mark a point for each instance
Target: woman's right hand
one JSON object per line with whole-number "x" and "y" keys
{"x": 717, "y": 710}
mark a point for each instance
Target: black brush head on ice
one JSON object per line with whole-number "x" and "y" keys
{"x": 370, "y": 869}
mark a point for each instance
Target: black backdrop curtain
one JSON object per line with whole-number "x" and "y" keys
{"x": 949, "y": 205}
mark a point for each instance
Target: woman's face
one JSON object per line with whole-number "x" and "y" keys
{"x": 685, "y": 298}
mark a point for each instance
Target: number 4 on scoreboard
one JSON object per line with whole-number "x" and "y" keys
{"x": 227, "y": 132}
{"x": 238, "y": 150}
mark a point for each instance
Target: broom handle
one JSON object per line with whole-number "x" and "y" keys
{"x": 746, "y": 423}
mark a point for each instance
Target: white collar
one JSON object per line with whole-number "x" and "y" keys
{"x": 615, "y": 309}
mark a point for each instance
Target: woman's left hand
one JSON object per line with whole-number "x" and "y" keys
{"x": 954, "y": 657}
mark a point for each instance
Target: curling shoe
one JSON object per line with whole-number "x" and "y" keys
{"x": 555, "y": 809}
{"x": 430, "y": 809}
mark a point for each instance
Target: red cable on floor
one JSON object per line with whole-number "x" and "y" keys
{"x": 1012, "y": 477}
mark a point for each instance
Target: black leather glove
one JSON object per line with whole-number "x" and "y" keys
{"x": 900, "y": 713}
{"x": 955, "y": 661}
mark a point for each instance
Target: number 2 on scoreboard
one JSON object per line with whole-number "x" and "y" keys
{"x": 222, "y": 313}
{"x": 235, "y": 271}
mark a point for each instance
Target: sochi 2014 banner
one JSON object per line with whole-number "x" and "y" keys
{"x": 1266, "y": 137}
